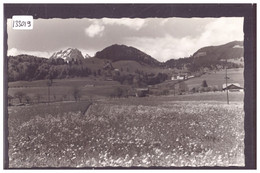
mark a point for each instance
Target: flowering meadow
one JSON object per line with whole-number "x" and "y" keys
{"x": 124, "y": 133}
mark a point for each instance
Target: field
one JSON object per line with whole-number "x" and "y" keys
{"x": 171, "y": 131}
{"x": 97, "y": 87}
{"x": 61, "y": 89}
{"x": 218, "y": 78}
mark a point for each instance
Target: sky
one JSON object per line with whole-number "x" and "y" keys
{"x": 162, "y": 38}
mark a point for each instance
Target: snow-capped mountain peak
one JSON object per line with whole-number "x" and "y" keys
{"x": 69, "y": 54}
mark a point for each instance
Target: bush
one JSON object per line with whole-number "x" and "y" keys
{"x": 28, "y": 99}
{"x": 10, "y": 99}
{"x": 183, "y": 87}
{"x": 165, "y": 92}
{"x": 215, "y": 88}
{"x": 20, "y": 95}
{"x": 204, "y": 83}
{"x": 76, "y": 92}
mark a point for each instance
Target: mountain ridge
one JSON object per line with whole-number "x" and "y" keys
{"x": 211, "y": 57}
{"x": 218, "y": 52}
{"x": 124, "y": 60}
{"x": 118, "y": 52}
{"x": 67, "y": 55}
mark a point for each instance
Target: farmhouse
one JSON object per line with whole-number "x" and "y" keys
{"x": 178, "y": 77}
{"x": 181, "y": 76}
{"x": 232, "y": 87}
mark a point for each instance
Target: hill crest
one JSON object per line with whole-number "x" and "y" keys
{"x": 122, "y": 52}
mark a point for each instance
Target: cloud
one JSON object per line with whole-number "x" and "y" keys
{"x": 94, "y": 30}
{"x": 222, "y": 30}
{"x": 217, "y": 32}
{"x": 164, "y": 48}
{"x": 14, "y": 52}
{"x": 90, "y": 52}
{"x": 135, "y": 24}
{"x": 164, "y": 21}
{"x": 162, "y": 38}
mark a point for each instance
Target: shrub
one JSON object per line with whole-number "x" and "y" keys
{"x": 204, "y": 83}
{"x": 165, "y": 92}
{"x": 10, "y": 99}
{"x": 28, "y": 99}
{"x": 183, "y": 87}
{"x": 20, "y": 95}
{"x": 76, "y": 92}
{"x": 215, "y": 88}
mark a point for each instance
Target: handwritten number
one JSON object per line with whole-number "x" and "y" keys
{"x": 21, "y": 24}
{"x": 29, "y": 23}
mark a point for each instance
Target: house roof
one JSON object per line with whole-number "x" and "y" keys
{"x": 236, "y": 84}
{"x": 232, "y": 86}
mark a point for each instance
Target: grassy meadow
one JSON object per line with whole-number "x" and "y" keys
{"x": 98, "y": 87}
{"x": 218, "y": 78}
{"x": 194, "y": 130}
{"x": 62, "y": 89}
{"x": 162, "y": 131}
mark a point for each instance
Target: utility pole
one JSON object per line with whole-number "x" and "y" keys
{"x": 226, "y": 83}
{"x": 174, "y": 89}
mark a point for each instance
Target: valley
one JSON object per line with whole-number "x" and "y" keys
{"x": 123, "y": 108}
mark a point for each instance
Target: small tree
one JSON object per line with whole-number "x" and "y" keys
{"x": 10, "y": 99}
{"x": 183, "y": 87}
{"x": 28, "y": 99}
{"x": 215, "y": 88}
{"x": 20, "y": 95}
{"x": 204, "y": 83}
{"x": 193, "y": 90}
{"x": 64, "y": 96}
{"x": 99, "y": 72}
{"x": 76, "y": 93}
{"x": 165, "y": 92}
{"x": 54, "y": 97}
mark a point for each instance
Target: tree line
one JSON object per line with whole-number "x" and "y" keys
{"x": 193, "y": 64}
{"x": 26, "y": 67}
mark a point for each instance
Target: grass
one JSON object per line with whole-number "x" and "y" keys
{"x": 144, "y": 132}
{"x": 71, "y": 82}
{"x": 61, "y": 89}
{"x": 98, "y": 87}
{"x": 184, "y": 130}
{"x": 218, "y": 78}
{"x": 22, "y": 114}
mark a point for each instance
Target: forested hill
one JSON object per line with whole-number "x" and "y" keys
{"x": 212, "y": 57}
{"x": 123, "y": 52}
{"x": 27, "y": 67}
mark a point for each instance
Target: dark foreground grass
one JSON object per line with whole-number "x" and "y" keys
{"x": 17, "y": 115}
{"x": 117, "y": 133}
